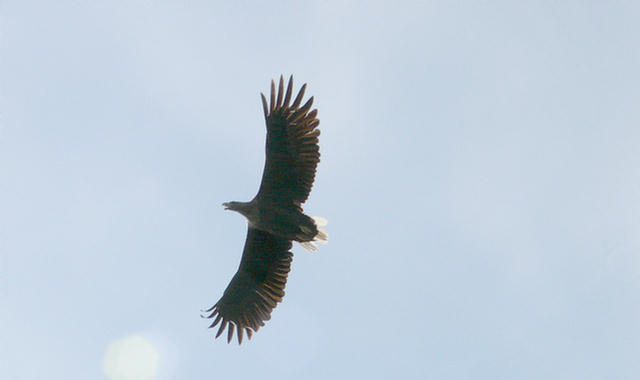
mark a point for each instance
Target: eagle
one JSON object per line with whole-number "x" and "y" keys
{"x": 274, "y": 216}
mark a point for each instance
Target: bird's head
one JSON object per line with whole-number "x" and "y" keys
{"x": 235, "y": 206}
{"x": 244, "y": 208}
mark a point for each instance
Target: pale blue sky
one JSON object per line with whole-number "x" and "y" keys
{"x": 480, "y": 173}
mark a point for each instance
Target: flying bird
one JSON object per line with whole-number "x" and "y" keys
{"x": 274, "y": 216}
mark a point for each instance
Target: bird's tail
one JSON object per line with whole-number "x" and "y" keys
{"x": 321, "y": 237}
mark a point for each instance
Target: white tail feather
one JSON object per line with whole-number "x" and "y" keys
{"x": 321, "y": 237}
{"x": 320, "y": 221}
{"x": 309, "y": 246}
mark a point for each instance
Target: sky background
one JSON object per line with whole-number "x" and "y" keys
{"x": 480, "y": 173}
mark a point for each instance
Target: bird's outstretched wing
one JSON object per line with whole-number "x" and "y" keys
{"x": 257, "y": 286}
{"x": 292, "y": 147}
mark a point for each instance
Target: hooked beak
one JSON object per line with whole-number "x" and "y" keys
{"x": 225, "y": 205}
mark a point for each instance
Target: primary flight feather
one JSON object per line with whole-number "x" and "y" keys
{"x": 275, "y": 217}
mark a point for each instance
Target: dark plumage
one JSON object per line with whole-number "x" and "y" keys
{"x": 275, "y": 217}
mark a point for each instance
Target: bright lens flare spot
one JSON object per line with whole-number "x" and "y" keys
{"x": 131, "y": 358}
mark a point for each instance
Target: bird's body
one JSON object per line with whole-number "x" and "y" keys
{"x": 290, "y": 224}
{"x": 274, "y": 216}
